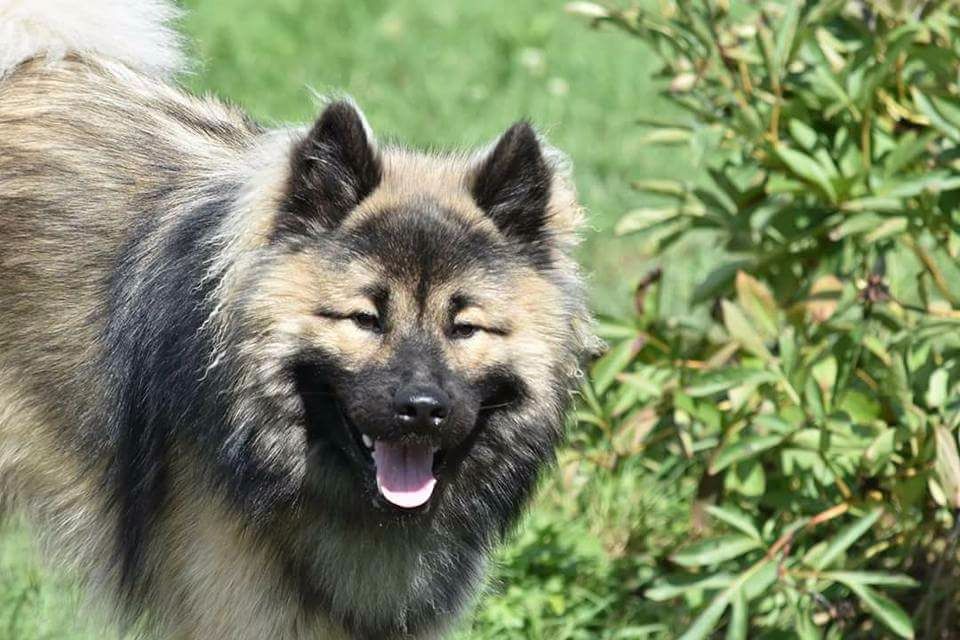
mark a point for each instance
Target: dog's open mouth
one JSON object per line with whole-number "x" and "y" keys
{"x": 405, "y": 472}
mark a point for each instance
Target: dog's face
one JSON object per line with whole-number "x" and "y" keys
{"x": 426, "y": 311}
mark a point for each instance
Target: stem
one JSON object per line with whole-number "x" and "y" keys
{"x": 824, "y": 516}
{"x": 931, "y": 267}
{"x": 865, "y": 128}
{"x": 775, "y": 112}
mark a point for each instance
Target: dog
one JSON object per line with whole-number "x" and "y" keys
{"x": 255, "y": 383}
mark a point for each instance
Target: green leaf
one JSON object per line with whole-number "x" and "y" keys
{"x": 909, "y": 148}
{"x": 643, "y": 219}
{"x": 743, "y": 449}
{"x": 673, "y": 188}
{"x": 761, "y": 573}
{"x": 804, "y": 134}
{"x": 786, "y": 34}
{"x": 746, "y": 478}
{"x": 610, "y": 329}
{"x": 856, "y": 224}
{"x": 929, "y": 182}
{"x": 806, "y": 168}
{"x": 873, "y": 203}
{"x": 872, "y": 578}
{"x": 757, "y": 581}
{"x": 718, "y": 280}
{"x": 674, "y": 586}
{"x": 948, "y": 107}
{"x": 948, "y": 465}
{"x": 937, "y": 388}
{"x": 927, "y": 108}
{"x": 756, "y": 300}
{"x": 643, "y": 382}
{"x": 805, "y": 627}
{"x": 845, "y": 538}
{"x": 889, "y": 227}
{"x": 712, "y": 382}
{"x": 737, "y": 627}
{"x": 884, "y": 609}
{"x": 706, "y": 622}
{"x": 613, "y": 362}
{"x": 714, "y": 550}
{"x": 742, "y": 331}
{"x": 735, "y": 518}
{"x": 667, "y": 136}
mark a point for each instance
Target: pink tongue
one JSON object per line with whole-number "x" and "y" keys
{"x": 404, "y": 473}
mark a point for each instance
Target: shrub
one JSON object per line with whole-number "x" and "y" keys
{"x": 813, "y": 397}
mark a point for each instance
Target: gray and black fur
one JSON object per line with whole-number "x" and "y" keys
{"x": 199, "y": 319}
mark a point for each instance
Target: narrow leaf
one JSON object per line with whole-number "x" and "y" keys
{"x": 762, "y": 574}
{"x": 948, "y": 465}
{"x": 786, "y": 34}
{"x": 706, "y": 622}
{"x": 673, "y": 188}
{"x": 714, "y": 550}
{"x": 927, "y": 108}
{"x": 667, "y": 136}
{"x": 737, "y": 627}
{"x": 872, "y": 578}
{"x": 743, "y": 449}
{"x": 712, "y": 382}
{"x": 806, "y": 168}
{"x": 937, "y": 388}
{"x": 884, "y": 609}
{"x": 674, "y": 586}
{"x": 742, "y": 331}
{"x": 613, "y": 362}
{"x": 889, "y": 227}
{"x": 845, "y": 538}
{"x": 757, "y": 301}
{"x": 804, "y": 134}
{"x": 638, "y": 220}
{"x": 735, "y": 518}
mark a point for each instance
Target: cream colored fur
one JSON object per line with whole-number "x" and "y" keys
{"x": 134, "y": 32}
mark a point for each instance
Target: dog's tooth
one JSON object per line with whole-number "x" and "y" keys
{"x": 368, "y": 441}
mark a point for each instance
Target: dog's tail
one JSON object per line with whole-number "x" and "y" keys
{"x": 134, "y": 32}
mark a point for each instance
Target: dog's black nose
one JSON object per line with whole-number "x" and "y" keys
{"x": 421, "y": 407}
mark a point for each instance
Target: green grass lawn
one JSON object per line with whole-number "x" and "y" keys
{"x": 456, "y": 73}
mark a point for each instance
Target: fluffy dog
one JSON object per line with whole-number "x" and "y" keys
{"x": 266, "y": 383}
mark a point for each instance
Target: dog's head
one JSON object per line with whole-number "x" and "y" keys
{"x": 421, "y": 316}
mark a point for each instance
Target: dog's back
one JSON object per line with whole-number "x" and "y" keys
{"x": 99, "y": 159}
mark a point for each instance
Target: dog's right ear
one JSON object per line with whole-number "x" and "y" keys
{"x": 331, "y": 171}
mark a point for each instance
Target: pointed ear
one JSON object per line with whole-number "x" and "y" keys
{"x": 512, "y": 184}
{"x": 332, "y": 170}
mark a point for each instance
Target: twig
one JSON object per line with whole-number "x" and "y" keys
{"x": 828, "y": 514}
{"x": 931, "y": 267}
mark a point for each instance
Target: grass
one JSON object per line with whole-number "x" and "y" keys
{"x": 456, "y": 74}
{"x": 441, "y": 74}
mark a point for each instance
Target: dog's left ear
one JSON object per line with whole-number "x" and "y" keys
{"x": 332, "y": 169}
{"x": 512, "y": 184}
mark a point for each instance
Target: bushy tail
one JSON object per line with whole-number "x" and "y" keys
{"x": 135, "y": 32}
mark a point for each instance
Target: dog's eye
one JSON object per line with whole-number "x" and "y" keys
{"x": 463, "y": 330}
{"x": 367, "y": 322}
